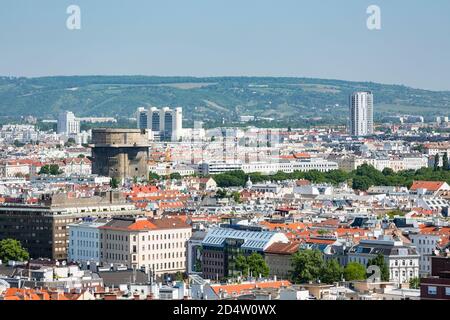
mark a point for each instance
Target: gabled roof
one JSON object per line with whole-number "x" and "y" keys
{"x": 429, "y": 185}
{"x": 145, "y": 224}
{"x": 282, "y": 248}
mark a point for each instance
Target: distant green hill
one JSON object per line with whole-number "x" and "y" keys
{"x": 288, "y": 100}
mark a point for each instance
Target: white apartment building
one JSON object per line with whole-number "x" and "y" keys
{"x": 162, "y": 168}
{"x": 401, "y": 259}
{"x": 14, "y": 168}
{"x": 314, "y": 190}
{"x": 425, "y": 243}
{"x": 84, "y": 240}
{"x": 318, "y": 164}
{"x": 77, "y": 166}
{"x": 217, "y": 167}
{"x": 68, "y": 124}
{"x": 159, "y": 245}
{"x": 361, "y": 114}
{"x": 267, "y": 168}
{"x": 434, "y": 148}
{"x": 394, "y": 163}
{"x": 20, "y": 132}
{"x": 266, "y": 188}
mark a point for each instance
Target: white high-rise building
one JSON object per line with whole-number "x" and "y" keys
{"x": 361, "y": 113}
{"x": 141, "y": 117}
{"x": 154, "y": 115}
{"x": 68, "y": 124}
{"x": 166, "y": 123}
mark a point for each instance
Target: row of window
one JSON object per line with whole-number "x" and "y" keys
{"x": 403, "y": 263}
{"x": 411, "y": 274}
{"x": 213, "y": 255}
{"x": 161, "y": 246}
{"x": 432, "y": 290}
{"x": 167, "y": 236}
{"x": 212, "y": 263}
{"x": 425, "y": 241}
{"x": 85, "y": 253}
{"x": 212, "y": 270}
{"x": 175, "y": 264}
{"x": 85, "y": 234}
{"x": 85, "y": 243}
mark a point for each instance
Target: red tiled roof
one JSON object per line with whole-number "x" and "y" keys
{"x": 282, "y": 248}
{"x": 142, "y": 225}
{"x": 246, "y": 287}
{"x": 429, "y": 185}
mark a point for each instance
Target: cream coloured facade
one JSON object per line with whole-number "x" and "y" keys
{"x": 394, "y": 163}
{"x": 158, "y": 244}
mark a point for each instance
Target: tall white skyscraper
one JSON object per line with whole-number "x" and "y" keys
{"x": 141, "y": 117}
{"x": 166, "y": 123}
{"x": 361, "y": 114}
{"x": 68, "y": 124}
{"x": 154, "y": 115}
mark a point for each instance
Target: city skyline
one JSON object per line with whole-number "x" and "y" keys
{"x": 296, "y": 39}
{"x": 246, "y": 174}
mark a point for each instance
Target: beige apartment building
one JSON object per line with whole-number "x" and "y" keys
{"x": 159, "y": 245}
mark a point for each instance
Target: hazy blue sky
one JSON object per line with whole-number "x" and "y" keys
{"x": 307, "y": 38}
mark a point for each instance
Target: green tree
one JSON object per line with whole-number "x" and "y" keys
{"x": 381, "y": 263}
{"x": 52, "y": 169}
{"x": 44, "y": 169}
{"x": 354, "y": 271}
{"x": 70, "y": 142}
{"x": 236, "y": 196}
{"x": 362, "y": 183}
{"x": 179, "y": 276}
{"x": 114, "y": 183}
{"x": 437, "y": 159}
{"x": 11, "y": 249}
{"x": 394, "y": 213}
{"x": 414, "y": 283}
{"x": 445, "y": 164}
{"x": 388, "y": 172}
{"x": 18, "y": 144}
{"x": 153, "y": 176}
{"x": 175, "y": 176}
{"x": 336, "y": 176}
{"x": 241, "y": 264}
{"x": 331, "y": 272}
{"x": 306, "y": 266}
{"x": 257, "y": 265}
{"x": 221, "y": 194}
{"x": 198, "y": 266}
